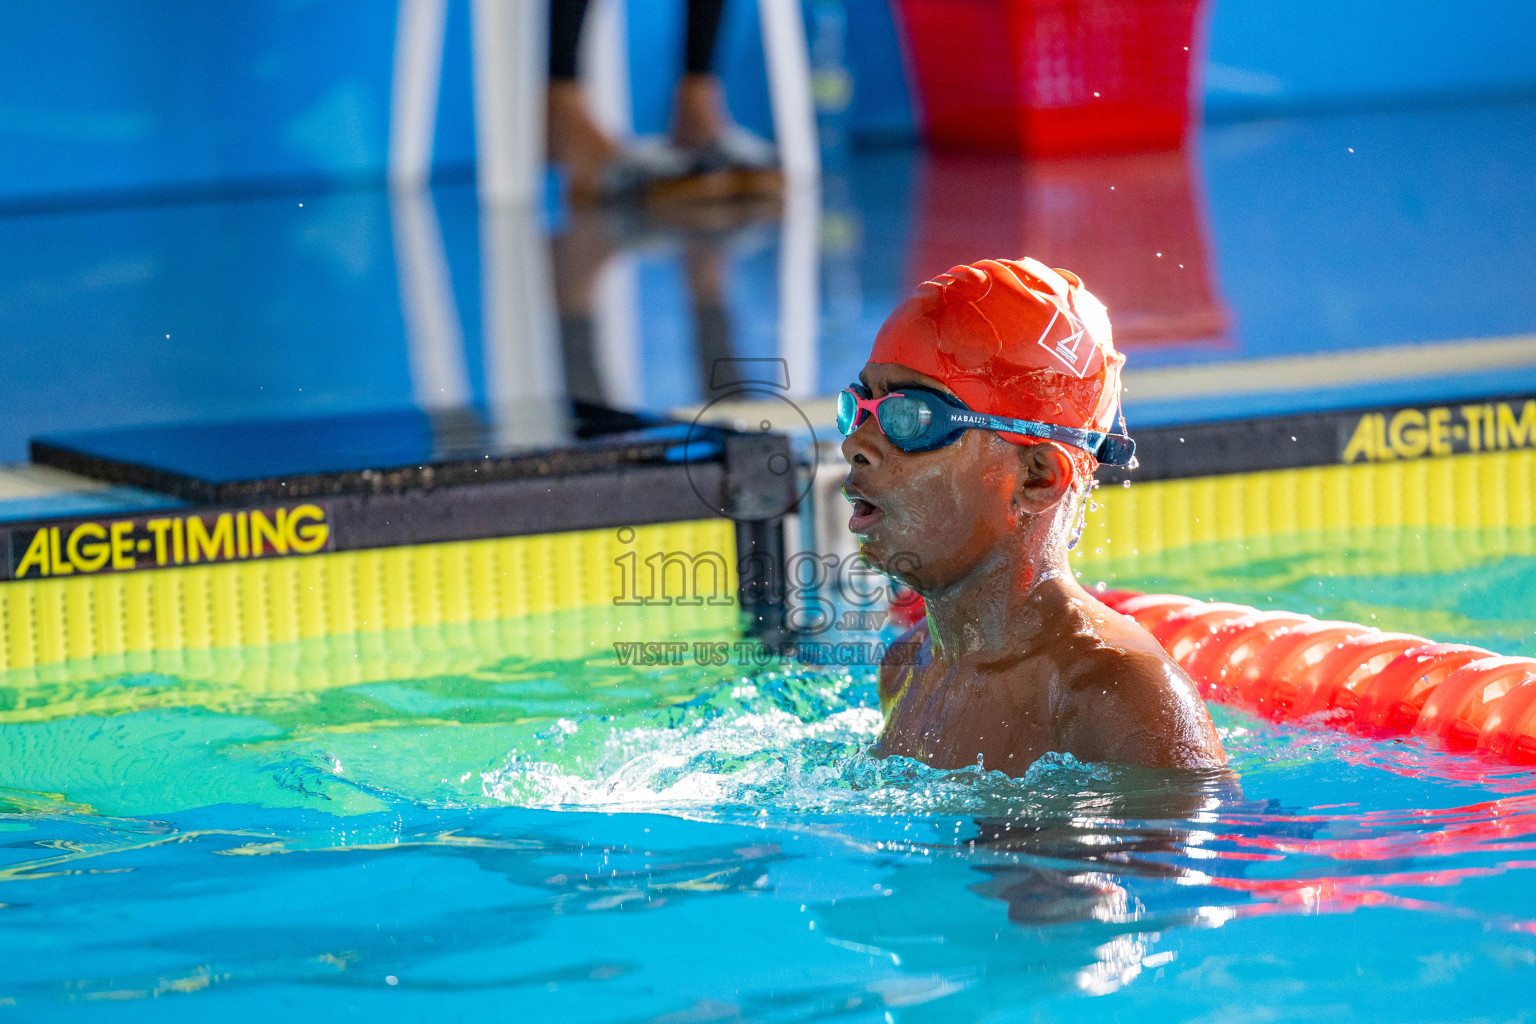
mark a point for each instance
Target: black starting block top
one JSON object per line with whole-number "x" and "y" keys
{"x": 408, "y": 476}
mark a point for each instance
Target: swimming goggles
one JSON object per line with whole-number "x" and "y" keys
{"x": 918, "y": 419}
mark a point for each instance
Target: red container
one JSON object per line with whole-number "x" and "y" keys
{"x": 1053, "y": 77}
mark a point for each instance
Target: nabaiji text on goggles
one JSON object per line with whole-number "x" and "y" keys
{"x": 919, "y": 419}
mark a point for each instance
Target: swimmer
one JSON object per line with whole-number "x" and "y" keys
{"x": 1014, "y": 658}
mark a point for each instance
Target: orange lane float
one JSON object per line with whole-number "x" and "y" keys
{"x": 1287, "y": 666}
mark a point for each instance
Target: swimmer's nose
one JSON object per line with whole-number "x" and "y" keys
{"x": 865, "y": 446}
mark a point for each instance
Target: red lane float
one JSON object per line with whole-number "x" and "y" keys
{"x": 1287, "y": 666}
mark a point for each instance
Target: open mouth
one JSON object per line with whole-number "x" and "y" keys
{"x": 865, "y": 514}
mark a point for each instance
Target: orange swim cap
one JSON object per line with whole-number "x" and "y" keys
{"x": 1012, "y": 338}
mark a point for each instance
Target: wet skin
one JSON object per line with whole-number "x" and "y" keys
{"x": 1014, "y": 659}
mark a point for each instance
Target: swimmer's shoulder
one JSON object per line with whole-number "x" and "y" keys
{"x": 1126, "y": 700}
{"x": 902, "y": 658}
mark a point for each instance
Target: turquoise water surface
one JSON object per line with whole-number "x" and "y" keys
{"x": 505, "y": 822}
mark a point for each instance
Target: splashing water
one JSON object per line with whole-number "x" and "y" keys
{"x": 792, "y": 741}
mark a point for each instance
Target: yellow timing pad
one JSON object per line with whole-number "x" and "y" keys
{"x": 692, "y": 565}
{"x": 689, "y": 565}
{"x": 1490, "y": 490}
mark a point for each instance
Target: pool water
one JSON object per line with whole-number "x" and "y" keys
{"x": 508, "y": 822}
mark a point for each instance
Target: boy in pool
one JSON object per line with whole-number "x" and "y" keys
{"x": 972, "y": 436}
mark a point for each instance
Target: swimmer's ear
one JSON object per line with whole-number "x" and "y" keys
{"x": 1045, "y": 477}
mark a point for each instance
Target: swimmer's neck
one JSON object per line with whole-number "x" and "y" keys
{"x": 1001, "y": 608}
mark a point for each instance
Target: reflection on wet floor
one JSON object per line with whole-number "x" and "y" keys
{"x": 1280, "y": 241}
{"x": 589, "y": 260}
{"x": 1129, "y": 223}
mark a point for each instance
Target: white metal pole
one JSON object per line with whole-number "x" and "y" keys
{"x": 789, "y": 87}
{"x": 418, "y": 70}
{"x": 510, "y": 41}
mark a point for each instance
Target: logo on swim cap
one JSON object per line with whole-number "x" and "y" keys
{"x": 1069, "y": 350}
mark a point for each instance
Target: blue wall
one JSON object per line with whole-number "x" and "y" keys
{"x": 99, "y": 95}
{"x": 104, "y": 96}
{"x": 1275, "y": 56}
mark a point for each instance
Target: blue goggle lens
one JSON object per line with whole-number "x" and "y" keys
{"x": 1118, "y": 450}
{"x": 905, "y": 418}
{"x": 847, "y": 412}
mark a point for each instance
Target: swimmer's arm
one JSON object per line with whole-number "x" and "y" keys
{"x": 897, "y": 666}
{"x": 1133, "y": 708}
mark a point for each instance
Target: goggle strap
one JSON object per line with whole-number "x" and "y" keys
{"x": 1110, "y": 449}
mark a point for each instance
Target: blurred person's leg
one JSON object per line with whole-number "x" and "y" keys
{"x": 700, "y": 124}
{"x": 575, "y": 140}
{"x": 565, "y": 19}
{"x": 714, "y": 158}
{"x": 698, "y": 107}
